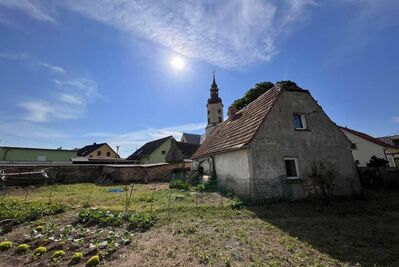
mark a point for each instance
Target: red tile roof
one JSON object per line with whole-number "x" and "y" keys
{"x": 365, "y": 136}
{"x": 239, "y": 131}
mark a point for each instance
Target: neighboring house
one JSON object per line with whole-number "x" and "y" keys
{"x": 152, "y": 152}
{"x": 392, "y": 152}
{"x": 191, "y": 138}
{"x": 98, "y": 151}
{"x": 36, "y": 154}
{"x": 181, "y": 151}
{"x": 364, "y": 146}
{"x": 267, "y": 149}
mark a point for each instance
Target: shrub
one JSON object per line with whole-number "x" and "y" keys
{"x": 21, "y": 249}
{"x": 141, "y": 222}
{"x": 103, "y": 217}
{"x": 5, "y": 245}
{"x": 77, "y": 257}
{"x": 179, "y": 184}
{"x": 57, "y": 255}
{"x": 322, "y": 180}
{"x": 93, "y": 261}
{"x": 40, "y": 251}
{"x": 377, "y": 162}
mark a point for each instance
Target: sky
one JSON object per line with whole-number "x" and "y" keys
{"x": 127, "y": 72}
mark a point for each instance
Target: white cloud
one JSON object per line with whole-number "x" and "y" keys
{"x": 128, "y": 142}
{"x": 71, "y": 99}
{"x": 34, "y": 10}
{"x": 229, "y": 33}
{"x": 395, "y": 119}
{"x": 53, "y": 68}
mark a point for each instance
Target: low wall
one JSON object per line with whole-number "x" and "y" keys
{"x": 94, "y": 173}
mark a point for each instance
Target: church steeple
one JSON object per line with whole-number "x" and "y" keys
{"x": 214, "y": 107}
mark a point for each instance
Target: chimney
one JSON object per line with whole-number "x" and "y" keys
{"x": 232, "y": 111}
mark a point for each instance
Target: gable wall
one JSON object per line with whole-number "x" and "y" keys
{"x": 104, "y": 149}
{"x": 277, "y": 138}
{"x": 156, "y": 156}
{"x": 364, "y": 149}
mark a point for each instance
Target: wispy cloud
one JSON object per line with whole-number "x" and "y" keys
{"x": 13, "y": 55}
{"x": 230, "y": 34}
{"x": 53, "y": 68}
{"x": 227, "y": 33}
{"x": 34, "y": 10}
{"x": 128, "y": 142}
{"x": 395, "y": 119}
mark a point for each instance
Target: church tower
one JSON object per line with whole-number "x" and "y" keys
{"x": 214, "y": 107}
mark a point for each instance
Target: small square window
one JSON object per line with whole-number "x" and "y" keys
{"x": 300, "y": 121}
{"x": 98, "y": 153}
{"x": 108, "y": 154}
{"x": 163, "y": 152}
{"x": 291, "y": 168}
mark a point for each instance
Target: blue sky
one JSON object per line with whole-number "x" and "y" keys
{"x": 77, "y": 72}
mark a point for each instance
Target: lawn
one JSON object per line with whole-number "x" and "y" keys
{"x": 204, "y": 229}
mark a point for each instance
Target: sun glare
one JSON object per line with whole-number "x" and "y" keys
{"x": 177, "y": 62}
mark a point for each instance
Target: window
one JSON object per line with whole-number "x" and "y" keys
{"x": 300, "y": 121}
{"x": 220, "y": 119}
{"x": 163, "y": 152}
{"x": 209, "y": 121}
{"x": 291, "y": 168}
{"x": 219, "y": 111}
{"x": 108, "y": 154}
{"x": 98, "y": 153}
{"x": 209, "y": 112}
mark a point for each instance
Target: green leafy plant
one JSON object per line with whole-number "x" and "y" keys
{"x": 237, "y": 204}
{"x": 141, "y": 221}
{"x": 5, "y": 245}
{"x": 22, "y": 249}
{"x": 103, "y": 217}
{"x": 40, "y": 251}
{"x": 93, "y": 261}
{"x": 77, "y": 257}
{"x": 57, "y": 255}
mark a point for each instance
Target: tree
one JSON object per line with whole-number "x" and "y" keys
{"x": 288, "y": 84}
{"x": 377, "y": 162}
{"x": 252, "y": 94}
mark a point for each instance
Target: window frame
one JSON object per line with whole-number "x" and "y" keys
{"x": 99, "y": 153}
{"x": 296, "y": 160}
{"x": 304, "y": 121}
{"x": 108, "y": 154}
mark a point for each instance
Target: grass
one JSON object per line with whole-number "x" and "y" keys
{"x": 200, "y": 229}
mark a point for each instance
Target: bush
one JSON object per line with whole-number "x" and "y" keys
{"x": 141, "y": 222}
{"x": 179, "y": 184}
{"x": 77, "y": 257}
{"x": 237, "y": 204}
{"x": 5, "y": 245}
{"x": 40, "y": 251}
{"x": 322, "y": 180}
{"x": 103, "y": 217}
{"x": 22, "y": 249}
{"x": 93, "y": 261}
{"x": 377, "y": 162}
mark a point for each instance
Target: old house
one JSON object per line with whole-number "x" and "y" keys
{"x": 364, "y": 146}
{"x": 98, "y": 151}
{"x": 267, "y": 149}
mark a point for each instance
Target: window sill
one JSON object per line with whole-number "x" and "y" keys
{"x": 294, "y": 178}
{"x": 302, "y": 130}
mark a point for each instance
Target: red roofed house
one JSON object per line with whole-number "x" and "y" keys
{"x": 267, "y": 149}
{"x": 365, "y": 146}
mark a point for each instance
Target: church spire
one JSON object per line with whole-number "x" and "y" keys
{"x": 214, "y": 97}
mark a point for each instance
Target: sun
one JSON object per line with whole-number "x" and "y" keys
{"x": 178, "y": 63}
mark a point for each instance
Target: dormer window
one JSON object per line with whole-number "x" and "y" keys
{"x": 300, "y": 121}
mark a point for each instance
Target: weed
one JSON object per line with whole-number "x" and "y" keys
{"x": 57, "y": 255}
{"x": 39, "y": 251}
{"x": 77, "y": 257}
{"x": 179, "y": 184}
{"x": 237, "y": 204}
